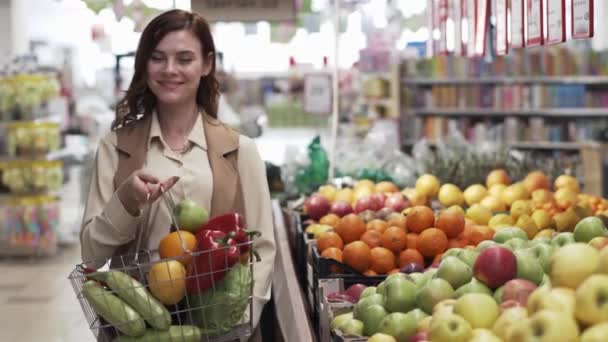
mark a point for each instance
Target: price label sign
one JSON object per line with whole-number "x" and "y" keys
{"x": 536, "y": 30}
{"x": 317, "y": 94}
{"x": 517, "y": 24}
{"x": 582, "y": 18}
{"x": 502, "y": 47}
{"x": 556, "y": 21}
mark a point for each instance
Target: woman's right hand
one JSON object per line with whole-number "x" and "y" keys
{"x": 142, "y": 188}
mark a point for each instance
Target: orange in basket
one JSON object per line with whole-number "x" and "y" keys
{"x": 171, "y": 246}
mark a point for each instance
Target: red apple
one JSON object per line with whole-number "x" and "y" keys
{"x": 422, "y": 336}
{"x": 599, "y": 242}
{"x": 397, "y": 202}
{"x": 411, "y": 267}
{"x": 355, "y": 291}
{"x": 316, "y": 206}
{"x": 506, "y": 305}
{"x": 362, "y": 204}
{"x": 341, "y": 208}
{"x": 495, "y": 266}
{"x": 340, "y": 297}
{"x": 377, "y": 201}
{"x": 518, "y": 290}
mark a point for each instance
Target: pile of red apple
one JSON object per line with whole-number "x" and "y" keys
{"x": 317, "y": 206}
{"x": 508, "y": 289}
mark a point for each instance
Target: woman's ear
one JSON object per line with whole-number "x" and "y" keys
{"x": 207, "y": 64}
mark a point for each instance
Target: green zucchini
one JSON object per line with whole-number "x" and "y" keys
{"x": 182, "y": 333}
{"x": 118, "y": 313}
{"x": 136, "y": 295}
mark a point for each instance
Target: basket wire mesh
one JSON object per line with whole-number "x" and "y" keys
{"x": 205, "y": 310}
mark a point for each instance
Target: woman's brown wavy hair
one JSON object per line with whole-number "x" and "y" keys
{"x": 139, "y": 100}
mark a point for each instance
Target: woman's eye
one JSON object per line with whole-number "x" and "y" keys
{"x": 156, "y": 58}
{"x": 185, "y": 60}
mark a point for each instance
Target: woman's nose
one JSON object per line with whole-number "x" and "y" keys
{"x": 170, "y": 66}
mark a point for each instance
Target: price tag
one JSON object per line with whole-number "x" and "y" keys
{"x": 535, "y": 23}
{"x": 582, "y": 18}
{"x": 500, "y": 7}
{"x": 556, "y": 21}
{"x": 317, "y": 94}
{"x": 470, "y": 16}
{"x": 517, "y": 24}
{"x": 481, "y": 26}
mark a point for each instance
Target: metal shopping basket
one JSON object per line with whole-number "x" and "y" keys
{"x": 140, "y": 297}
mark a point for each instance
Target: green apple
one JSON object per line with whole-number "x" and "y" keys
{"x": 562, "y": 239}
{"x": 589, "y": 228}
{"x": 370, "y": 290}
{"x": 474, "y": 286}
{"x": 479, "y": 309}
{"x": 599, "y": 242}
{"x": 507, "y": 319}
{"x": 451, "y": 252}
{"x": 434, "y": 292}
{"x": 485, "y": 244}
{"x": 446, "y": 305}
{"x": 572, "y": 264}
{"x": 498, "y": 294}
{"x": 603, "y": 266}
{"x": 371, "y": 316}
{"x": 418, "y": 315}
{"x": 399, "y": 325}
{"x": 450, "y": 327}
{"x": 190, "y": 216}
{"x": 468, "y": 256}
{"x": 418, "y": 279}
{"x": 516, "y": 243}
{"x": 381, "y": 289}
{"x": 353, "y": 327}
{"x": 400, "y": 296}
{"x": 367, "y": 301}
{"x": 539, "y": 240}
{"x": 546, "y": 281}
{"x": 424, "y": 324}
{"x": 559, "y": 299}
{"x": 546, "y": 326}
{"x": 542, "y": 253}
{"x": 509, "y": 233}
{"x": 592, "y": 300}
{"x": 528, "y": 266}
{"x": 340, "y": 320}
{"x": 454, "y": 271}
{"x": 484, "y": 335}
{"x": 597, "y": 333}
{"x": 380, "y": 337}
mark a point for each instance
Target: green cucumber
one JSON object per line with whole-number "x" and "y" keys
{"x": 111, "y": 308}
{"x": 182, "y": 333}
{"x": 136, "y": 295}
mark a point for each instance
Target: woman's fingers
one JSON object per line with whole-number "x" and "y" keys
{"x": 162, "y": 188}
{"x": 147, "y": 178}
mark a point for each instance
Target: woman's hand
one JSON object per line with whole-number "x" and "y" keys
{"x": 142, "y": 188}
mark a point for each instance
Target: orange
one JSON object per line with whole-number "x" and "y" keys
{"x": 393, "y": 271}
{"x": 457, "y": 243}
{"x": 431, "y": 242}
{"x": 330, "y": 220}
{"x": 395, "y": 239}
{"x": 451, "y": 222}
{"x": 398, "y": 220}
{"x": 370, "y": 273}
{"x": 372, "y": 238}
{"x": 357, "y": 255}
{"x": 171, "y": 246}
{"x": 420, "y": 218}
{"x": 412, "y": 239}
{"x": 350, "y": 228}
{"x": 329, "y": 239}
{"x": 383, "y": 260}
{"x": 410, "y": 255}
{"x": 480, "y": 233}
{"x": 436, "y": 260}
{"x": 377, "y": 224}
{"x": 335, "y": 254}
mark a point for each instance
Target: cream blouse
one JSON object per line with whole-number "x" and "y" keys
{"x": 107, "y": 224}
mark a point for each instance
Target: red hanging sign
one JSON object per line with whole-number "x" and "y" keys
{"x": 481, "y": 26}
{"x": 534, "y": 16}
{"x": 470, "y": 15}
{"x": 500, "y": 7}
{"x": 455, "y": 14}
{"x": 556, "y": 21}
{"x": 582, "y": 18}
{"x": 442, "y": 12}
{"x": 517, "y": 24}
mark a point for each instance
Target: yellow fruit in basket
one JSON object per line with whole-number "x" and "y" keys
{"x": 566, "y": 181}
{"x": 541, "y": 196}
{"x": 548, "y": 233}
{"x": 167, "y": 281}
{"x": 344, "y": 195}
{"x": 328, "y": 191}
{"x": 542, "y": 219}
{"x": 526, "y": 223}
{"x": 498, "y": 176}
{"x": 475, "y": 193}
{"x": 364, "y": 183}
{"x": 513, "y": 193}
{"x": 520, "y": 207}
{"x": 493, "y": 203}
{"x": 500, "y": 220}
{"x": 449, "y": 195}
{"x": 479, "y": 214}
{"x": 565, "y": 197}
{"x": 427, "y": 185}
{"x": 496, "y": 190}
{"x": 415, "y": 197}
{"x": 178, "y": 244}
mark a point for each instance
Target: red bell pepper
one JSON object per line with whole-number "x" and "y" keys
{"x": 216, "y": 253}
{"x": 225, "y": 223}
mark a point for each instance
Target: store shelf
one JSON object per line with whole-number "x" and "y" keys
{"x": 584, "y": 80}
{"x": 548, "y": 112}
{"x": 534, "y": 145}
{"x": 383, "y": 102}
{"x": 381, "y": 74}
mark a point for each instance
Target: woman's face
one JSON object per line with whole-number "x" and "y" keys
{"x": 176, "y": 66}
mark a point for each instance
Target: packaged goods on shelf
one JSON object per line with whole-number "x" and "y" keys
{"x": 22, "y": 95}
{"x": 32, "y": 138}
{"x": 31, "y": 177}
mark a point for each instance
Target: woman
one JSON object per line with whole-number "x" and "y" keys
{"x": 166, "y": 138}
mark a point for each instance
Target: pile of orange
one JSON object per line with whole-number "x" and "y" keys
{"x": 380, "y": 247}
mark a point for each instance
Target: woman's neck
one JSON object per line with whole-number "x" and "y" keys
{"x": 177, "y": 120}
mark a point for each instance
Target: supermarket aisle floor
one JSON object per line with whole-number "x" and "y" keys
{"x": 37, "y": 302}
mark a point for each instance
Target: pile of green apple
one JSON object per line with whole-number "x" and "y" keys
{"x": 509, "y": 288}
